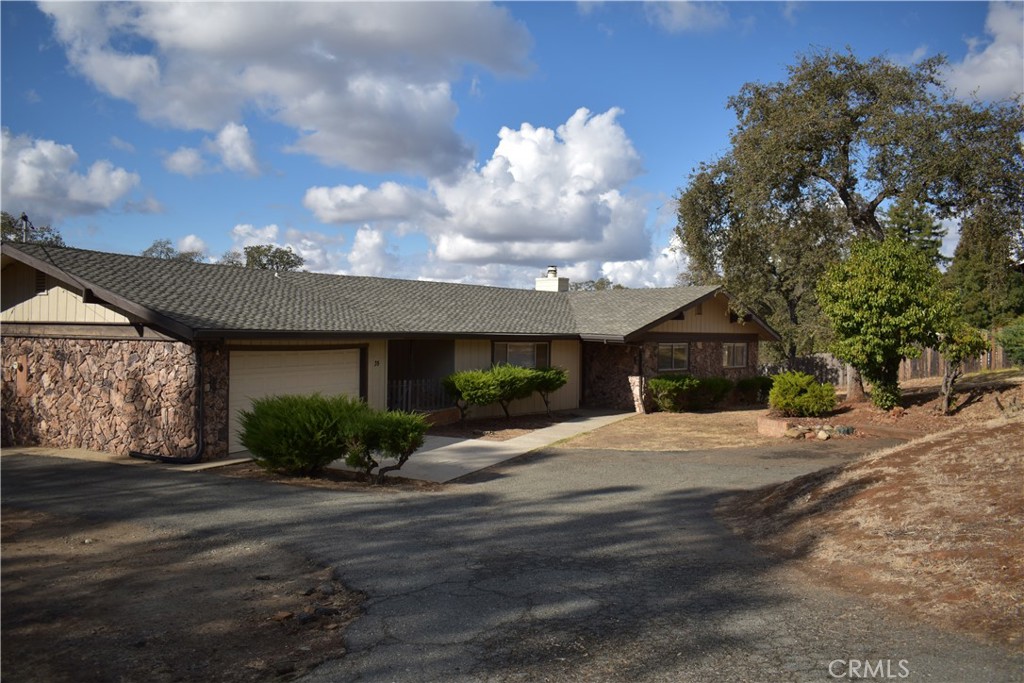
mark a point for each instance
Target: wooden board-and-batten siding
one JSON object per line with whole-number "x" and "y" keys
{"x": 30, "y": 296}
{"x": 712, "y": 318}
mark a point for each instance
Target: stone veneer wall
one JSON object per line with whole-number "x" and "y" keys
{"x": 612, "y": 378}
{"x": 112, "y": 395}
{"x": 606, "y": 372}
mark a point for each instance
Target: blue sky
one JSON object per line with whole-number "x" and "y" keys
{"x": 466, "y": 141}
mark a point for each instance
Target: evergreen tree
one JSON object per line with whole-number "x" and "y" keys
{"x": 914, "y": 223}
{"x": 987, "y": 282}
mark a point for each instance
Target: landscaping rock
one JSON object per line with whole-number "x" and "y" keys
{"x": 794, "y": 432}
{"x": 823, "y": 435}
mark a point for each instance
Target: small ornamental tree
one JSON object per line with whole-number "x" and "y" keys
{"x": 547, "y": 381}
{"x": 883, "y": 305}
{"x": 512, "y": 383}
{"x": 957, "y": 343}
{"x": 378, "y": 435}
{"x": 470, "y": 388}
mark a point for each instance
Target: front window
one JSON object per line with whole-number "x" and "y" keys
{"x": 673, "y": 357}
{"x": 734, "y": 355}
{"x": 523, "y": 354}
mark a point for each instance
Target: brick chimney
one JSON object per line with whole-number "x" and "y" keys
{"x": 551, "y": 282}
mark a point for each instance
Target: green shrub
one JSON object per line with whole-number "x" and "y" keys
{"x": 547, "y": 381}
{"x": 512, "y": 383}
{"x": 300, "y": 435}
{"x": 502, "y": 384}
{"x": 471, "y": 388}
{"x": 1011, "y": 338}
{"x": 379, "y": 435}
{"x": 797, "y": 394}
{"x": 752, "y": 390}
{"x": 673, "y": 393}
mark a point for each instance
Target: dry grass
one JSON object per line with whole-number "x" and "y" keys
{"x": 932, "y": 527}
{"x": 677, "y": 432}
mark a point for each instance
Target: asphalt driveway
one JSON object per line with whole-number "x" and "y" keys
{"x": 563, "y": 565}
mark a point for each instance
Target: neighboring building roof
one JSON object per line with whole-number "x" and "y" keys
{"x": 198, "y": 300}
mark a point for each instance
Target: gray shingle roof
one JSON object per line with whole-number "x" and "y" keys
{"x": 218, "y": 300}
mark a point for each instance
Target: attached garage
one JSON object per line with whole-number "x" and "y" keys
{"x": 255, "y": 374}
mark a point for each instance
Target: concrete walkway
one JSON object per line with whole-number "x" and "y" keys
{"x": 444, "y": 458}
{"x": 440, "y": 459}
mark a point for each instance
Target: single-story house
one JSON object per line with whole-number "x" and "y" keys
{"x": 124, "y": 353}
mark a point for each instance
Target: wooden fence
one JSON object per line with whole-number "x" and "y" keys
{"x": 827, "y": 368}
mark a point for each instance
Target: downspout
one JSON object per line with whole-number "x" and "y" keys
{"x": 200, "y": 441}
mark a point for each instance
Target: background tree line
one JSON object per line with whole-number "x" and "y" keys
{"x": 260, "y": 256}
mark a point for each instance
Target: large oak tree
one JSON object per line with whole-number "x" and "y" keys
{"x": 839, "y": 140}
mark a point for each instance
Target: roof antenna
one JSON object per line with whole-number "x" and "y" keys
{"x": 25, "y": 225}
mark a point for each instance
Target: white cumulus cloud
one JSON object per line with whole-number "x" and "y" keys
{"x": 234, "y": 147}
{"x": 192, "y": 243}
{"x": 371, "y": 255}
{"x": 247, "y": 235}
{"x": 359, "y": 204}
{"x": 39, "y": 178}
{"x": 365, "y": 85}
{"x": 683, "y": 15}
{"x": 544, "y": 194}
{"x": 994, "y": 67}
{"x": 186, "y": 161}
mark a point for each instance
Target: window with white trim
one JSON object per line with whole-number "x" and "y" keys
{"x": 734, "y": 355}
{"x": 673, "y": 357}
{"x": 523, "y": 354}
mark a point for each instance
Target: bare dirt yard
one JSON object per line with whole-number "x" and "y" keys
{"x": 933, "y": 527}
{"x": 120, "y": 602}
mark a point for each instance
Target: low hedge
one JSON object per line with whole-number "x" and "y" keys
{"x": 675, "y": 393}
{"x": 753, "y": 390}
{"x": 301, "y": 435}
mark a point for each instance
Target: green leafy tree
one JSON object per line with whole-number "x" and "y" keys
{"x": 958, "y": 342}
{"x": 884, "y": 304}
{"x": 768, "y": 258}
{"x": 870, "y": 131}
{"x": 913, "y": 222}
{"x": 21, "y": 229}
{"x": 845, "y": 133}
{"x": 164, "y": 250}
{"x": 988, "y": 284}
{"x": 269, "y": 257}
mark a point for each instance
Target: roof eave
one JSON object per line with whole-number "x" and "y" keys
{"x": 92, "y": 293}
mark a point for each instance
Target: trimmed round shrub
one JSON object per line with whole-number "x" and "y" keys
{"x": 797, "y": 394}
{"x": 300, "y": 435}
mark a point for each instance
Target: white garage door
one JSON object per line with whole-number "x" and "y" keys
{"x": 255, "y": 374}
